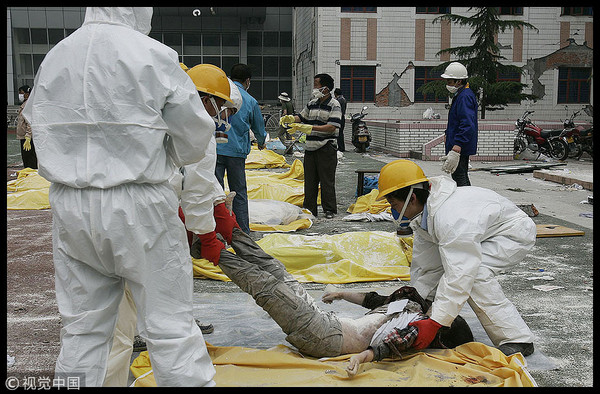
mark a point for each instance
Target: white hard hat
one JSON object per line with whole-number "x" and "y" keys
{"x": 235, "y": 95}
{"x": 455, "y": 70}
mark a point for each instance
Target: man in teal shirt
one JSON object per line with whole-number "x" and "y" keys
{"x": 231, "y": 156}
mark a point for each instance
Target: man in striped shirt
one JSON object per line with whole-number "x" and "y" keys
{"x": 320, "y": 120}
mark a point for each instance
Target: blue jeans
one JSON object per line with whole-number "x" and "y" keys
{"x": 236, "y": 179}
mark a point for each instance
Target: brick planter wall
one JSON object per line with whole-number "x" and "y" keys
{"x": 425, "y": 140}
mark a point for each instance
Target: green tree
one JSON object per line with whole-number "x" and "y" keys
{"x": 482, "y": 60}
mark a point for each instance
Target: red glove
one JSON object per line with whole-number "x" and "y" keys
{"x": 428, "y": 328}
{"x": 210, "y": 247}
{"x": 225, "y": 221}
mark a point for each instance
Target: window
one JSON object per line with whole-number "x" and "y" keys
{"x": 509, "y": 77}
{"x": 433, "y": 10}
{"x": 577, "y": 11}
{"x": 574, "y": 85}
{"x": 510, "y": 10}
{"x": 359, "y": 82}
{"x": 424, "y": 75}
{"x": 359, "y": 9}
{"x": 55, "y": 35}
{"x": 39, "y": 36}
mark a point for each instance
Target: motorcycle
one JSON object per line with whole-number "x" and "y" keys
{"x": 361, "y": 137}
{"x": 570, "y": 135}
{"x": 545, "y": 142}
{"x": 578, "y": 138}
{"x": 586, "y": 141}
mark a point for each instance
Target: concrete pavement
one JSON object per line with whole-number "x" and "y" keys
{"x": 560, "y": 319}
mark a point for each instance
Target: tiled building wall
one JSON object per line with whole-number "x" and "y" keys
{"x": 402, "y": 36}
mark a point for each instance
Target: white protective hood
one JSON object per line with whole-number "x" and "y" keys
{"x": 138, "y": 18}
{"x": 111, "y": 105}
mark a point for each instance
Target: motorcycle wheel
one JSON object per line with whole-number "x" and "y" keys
{"x": 575, "y": 151}
{"x": 361, "y": 147}
{"x": 559, "y": 149}
{"x": 519, "y": 146}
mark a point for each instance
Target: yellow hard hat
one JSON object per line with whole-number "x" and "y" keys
{"x": 211, "y": 79}
{"x": 398, "y": 174}
{"x": 184, "y": 67}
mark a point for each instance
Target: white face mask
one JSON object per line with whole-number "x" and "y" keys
{"x": 318, "y": 93}
{"x": 452, "y": 89}
{"x": 21, "y": 97}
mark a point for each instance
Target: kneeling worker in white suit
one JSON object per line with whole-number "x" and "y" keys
{"x": 113, "y": 116}
{"x": 463, "y": 236}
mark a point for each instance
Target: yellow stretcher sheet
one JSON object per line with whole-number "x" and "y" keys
{"x": 265, "y": 158}
{"x": 358, "y": 256}
{"x": 28, "y": 191}
{"x": 473, "y": 364}
{"x": 368, "y": 203}
{"x": 281, "y": 186}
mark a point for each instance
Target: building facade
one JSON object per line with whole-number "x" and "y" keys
{"x": 258, "y": 36}
{"x": 379, "y": 56}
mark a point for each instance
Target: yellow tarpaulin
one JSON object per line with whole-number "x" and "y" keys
{"x": 281, "y": 186}
{"x": 368, "y": 203}
{"x": 359, "y": 256}
{"x": 265, "y": 158}
{"x": 28, "y": 191}
{"x": 472, "y": 364}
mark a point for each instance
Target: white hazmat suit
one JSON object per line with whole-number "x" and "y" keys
{"x": 114, "y": 115}
{"x": 472, "y": 234}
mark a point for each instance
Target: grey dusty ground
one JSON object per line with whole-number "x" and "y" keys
{"x": 560, "y": 319}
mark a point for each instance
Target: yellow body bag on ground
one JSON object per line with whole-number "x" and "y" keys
{"x": 265, "y": 158}
{"x": 358, "y": 256}
{"x": 472, "y": 364}
{"x": 28, "y": 191}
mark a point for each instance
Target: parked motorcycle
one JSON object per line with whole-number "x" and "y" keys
{"x": 546, "y": 142}
{"x": 573, "y": 137}
{"x": 361, "y": 137}
{"x": 570, "y": 134}
{"x": 586, "y": 141}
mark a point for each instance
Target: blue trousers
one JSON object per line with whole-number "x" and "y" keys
{"x": 236, "y": 179}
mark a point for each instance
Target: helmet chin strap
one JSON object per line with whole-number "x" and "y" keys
{"x": 399, "y": 222}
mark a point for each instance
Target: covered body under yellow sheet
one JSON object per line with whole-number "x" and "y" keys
{"x": 358, "y": 256}
{"x": 471, "y": 364}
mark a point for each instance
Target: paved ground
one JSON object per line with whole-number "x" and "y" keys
{"x": 561, "y": 319}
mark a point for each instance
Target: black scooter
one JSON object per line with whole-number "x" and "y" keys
{"x": 361, "y": 137}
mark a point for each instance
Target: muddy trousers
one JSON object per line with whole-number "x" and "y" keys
{"x": 314, "y": 332}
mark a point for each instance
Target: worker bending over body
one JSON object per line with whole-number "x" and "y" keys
{"x": 463, "y": 237}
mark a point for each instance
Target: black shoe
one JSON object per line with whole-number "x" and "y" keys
{"x": 139, "y": 345}
{"x": 205, "y": 328}
{"x": 511, "y": 348}
{"x": 329, "y": 215}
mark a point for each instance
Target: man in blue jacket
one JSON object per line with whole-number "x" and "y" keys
{"x": 231, "y": 156}
{"x": 461, "y": 133}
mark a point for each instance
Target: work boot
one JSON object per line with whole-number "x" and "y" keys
{"x": 205, "y": 328}
{"x": 139, "y": 345}
{"x": 511, "y": 348}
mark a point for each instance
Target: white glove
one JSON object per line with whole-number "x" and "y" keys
{"x": 451, "y": 162}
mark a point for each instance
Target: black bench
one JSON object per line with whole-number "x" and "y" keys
{"x": 361, "y": 180}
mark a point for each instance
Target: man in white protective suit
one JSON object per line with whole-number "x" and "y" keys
{"x": 114, "y": 115}
{"x": 463, "y": 237}
{"x": 202, "y": 198}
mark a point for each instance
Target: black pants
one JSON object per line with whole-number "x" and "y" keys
{"x": 340, "y": 140}
{"x": 29, "y": 157}
{"x": 461, "y": 175}
{"x": 319, "y": 168}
